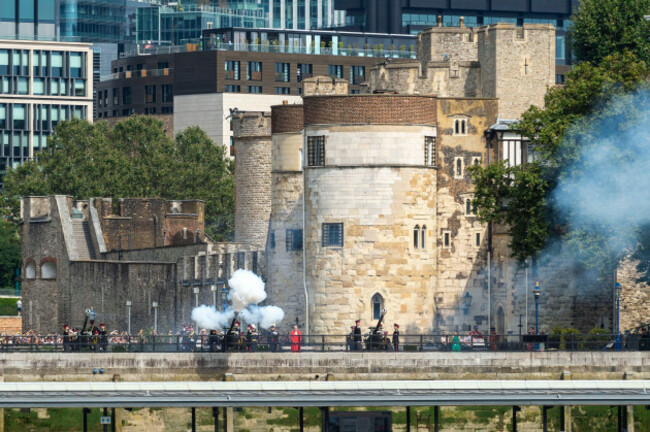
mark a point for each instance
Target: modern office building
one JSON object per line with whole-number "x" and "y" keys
{"x": 41, "y": 83}
{"x": 248, "y": 65}
{"x": 175, "y": 25}
{"x": 413, "y": 16}
{"x": 29, "y": 19}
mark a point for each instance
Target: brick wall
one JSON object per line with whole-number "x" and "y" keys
{"x": 370, "y": 109}
{"x": 286, "y": 118}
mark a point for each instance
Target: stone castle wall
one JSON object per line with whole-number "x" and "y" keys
{"x": 517, "y": 65}
{"x": 252, "y": 136}
{"x": 514, "y": 64}
{"x": 375, "y": 182}
{"x": 462, "y": 261}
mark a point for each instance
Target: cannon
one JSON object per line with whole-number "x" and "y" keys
{"x": 233, "y": 340}
{"x": 377, "y": 339}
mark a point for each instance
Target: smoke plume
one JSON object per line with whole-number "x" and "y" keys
{"x": 606, "y": 191}
{"x": 246, "y": 292}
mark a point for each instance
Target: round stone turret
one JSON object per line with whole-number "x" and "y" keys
{"x": 252, "y": 139}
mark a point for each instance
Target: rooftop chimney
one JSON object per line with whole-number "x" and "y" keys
{"x": 439, "y": 20}
{"x": 462, "y": 21}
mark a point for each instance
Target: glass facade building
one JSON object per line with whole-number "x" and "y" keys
{"x": 176, "y": 25}
{"x": 41, "y": 83}
{"x": 29, "y": 19}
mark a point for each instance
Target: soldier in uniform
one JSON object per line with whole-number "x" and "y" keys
{"x": 396, "y": 337}
{"x": 249, "y": 336}
{"x": 103, "y": 338}
{"x": 74, "y": 340}
{"x": 66, "y": 338}
{"x": 233, "y": 337}
{"x": 213, "y": 340}
{"x": 274, "y": 338}
{"x": 357, "y": 336}
{"x": 191, "y": 337}
{"x": 94, "y": 336}
{"x": 254, "y": 338}
{"x": 350, "y": 339}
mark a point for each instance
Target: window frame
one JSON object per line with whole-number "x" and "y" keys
{"x": 328, "y": 234}
{"x": 316, "y": 150}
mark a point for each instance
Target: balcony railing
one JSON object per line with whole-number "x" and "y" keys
{"x": 138, "y": 74}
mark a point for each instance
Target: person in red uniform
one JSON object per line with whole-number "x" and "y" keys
{"x": 296, "y": 339}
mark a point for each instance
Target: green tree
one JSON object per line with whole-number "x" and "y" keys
{"x": 523, "y": 197}
{"x": 9, "y": 252}
{"x": 603, "y": 27}
{"x": 136, "y": 159}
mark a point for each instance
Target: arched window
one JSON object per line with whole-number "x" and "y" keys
{"x": 416, "y": 236}
{"x": 459, "y": 167}
{"x": 463, "y": 125}
{"x": 48, "y": 270}
{"x": 457, "y": 127}
{"x": 377, "y": 306}
{"x": 30, "y": 270}
{"x": 424, "y": 233}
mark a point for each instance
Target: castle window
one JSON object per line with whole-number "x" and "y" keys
{"x": 423, "y": 234}
{"x": 416, "y": 236}
{"x": 470, "y": 206}
{"x": 241, "y": 260}
{"x": 446, "y": 239}
{"x": 429, "y": 151}
{"x": 30, "y": 270}
{"x": 458, "y": 168}
{"x": 332, "y": 234}
{"x": 377, "y": 306}
{"x": 316, "y": 151}
{"x": 255, "y": 263}
{"x": 294, "y": 240}
{"x": 476, "y": 161}
{"x": 478, "y": 239}
{"x": 48, "y": 270}
{"x": 272, "y": 239}
{"x": 460, "y": 127}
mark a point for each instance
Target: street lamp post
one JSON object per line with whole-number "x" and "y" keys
{"x": 213, "y": 288}
{"x": 155, "y": 316}
{"x": 224, "y": 296}
{"x": 618, "y": 288}
{"x": 537, "y": 291}
{"x": 128, "y": 308}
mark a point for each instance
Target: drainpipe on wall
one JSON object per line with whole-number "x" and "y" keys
{"x": 304, "y": 251}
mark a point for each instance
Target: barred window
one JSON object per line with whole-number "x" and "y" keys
{"x": 429, "y": 151}
{"x": 332, "y": 235}
{"x": 294, "y": 240}
{"x": 316, "y": 151}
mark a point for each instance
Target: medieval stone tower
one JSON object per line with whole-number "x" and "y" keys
{"x": 513, "y": 64}
{"x": 284, "y": 249}
{"x": 252, "y": 136}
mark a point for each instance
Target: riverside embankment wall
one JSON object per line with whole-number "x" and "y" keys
{"x": 323, "y": 366}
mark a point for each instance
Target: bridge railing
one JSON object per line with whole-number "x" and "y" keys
{"x": 321, "y": 343}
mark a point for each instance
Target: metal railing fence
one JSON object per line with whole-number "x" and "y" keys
{"x": 319, "y": 343}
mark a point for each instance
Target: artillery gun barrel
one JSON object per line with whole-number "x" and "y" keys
{"x": 232, "y": 324}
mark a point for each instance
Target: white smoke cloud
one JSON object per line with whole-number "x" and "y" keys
{"x": 210, "y": 318}
{"x": 246, "y": 292}
{"x": 246, "y": 288}
{"x": 263, "y": 316}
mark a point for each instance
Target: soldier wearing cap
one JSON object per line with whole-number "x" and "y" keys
{"x": 254, "y": 338}
{"x": 103, "y": 339}
{"x": 357, "y": 336}
{"x": 66, "y": 338}
{"x": 274, "y": 338}
{"x": 396, "y": 337}
{"x": 213, "y": 340}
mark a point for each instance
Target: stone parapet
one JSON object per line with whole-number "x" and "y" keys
{"x": 335, "y": 365}
{"x": 286, "y": 118}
